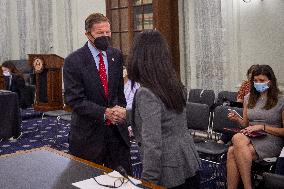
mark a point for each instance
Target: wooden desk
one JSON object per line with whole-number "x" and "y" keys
{"x": 47, "y": 168}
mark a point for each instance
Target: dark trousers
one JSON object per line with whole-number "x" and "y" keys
{"x": 191, "y": 182}
{"x": 280, "y": 166}
{"x": 107, "y": 148}
{"x": 115, "y": 152}
{"x": 227, "y": 137}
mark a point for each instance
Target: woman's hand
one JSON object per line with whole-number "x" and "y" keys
{"x": 248, "y": 130}
{"x": 233, "y": 116}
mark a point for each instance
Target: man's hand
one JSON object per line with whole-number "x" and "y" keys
{"x": 120, "y": 112}
{"x": 116, "y": 114}
{"x": 109, "y": 115}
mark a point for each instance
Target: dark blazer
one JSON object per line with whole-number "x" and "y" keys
{"x": 18, "y": 86}
{"x": 85, "y": 94}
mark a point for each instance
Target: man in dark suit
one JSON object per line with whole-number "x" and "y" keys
{"x": 94, "y": 89}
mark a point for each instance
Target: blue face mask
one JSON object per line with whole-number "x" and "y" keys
{"x": 7, "y": 73}
{"x": 261, "y": 87}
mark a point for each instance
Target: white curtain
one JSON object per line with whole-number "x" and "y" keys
{"x": 31, "y": 27}
{"x": 203, "y": 44}
{"x": 26, "y": 17}
{"x": 209, "y": 44}
{"x": 5, "y": 50}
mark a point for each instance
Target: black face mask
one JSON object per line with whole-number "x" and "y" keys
{"x": 102, "y": 43}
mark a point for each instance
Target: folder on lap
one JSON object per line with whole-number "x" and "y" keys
{"x": 252, "y": 134}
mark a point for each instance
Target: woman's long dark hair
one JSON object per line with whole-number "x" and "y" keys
{"x": 149, "y": 64}
{"x": 272, "y": 92}
{"x": 13, "y": 69}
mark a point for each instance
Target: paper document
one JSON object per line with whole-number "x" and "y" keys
{"x": 4, "y": 91}
{"x": 107, "y": 179}
{"x": 282, "y": 153}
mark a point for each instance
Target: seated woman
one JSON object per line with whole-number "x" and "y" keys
{"x": 14, "y": 81}
{"x": 168, "y": 154}
{"x": 243, "y": 91}
{"x": 263, "y": 111}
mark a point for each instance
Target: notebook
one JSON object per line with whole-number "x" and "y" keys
{"x": 252, "y": 134}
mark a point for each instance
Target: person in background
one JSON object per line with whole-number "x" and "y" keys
{"x": 168, "y": 154}
{"x": 245, "y": 87}
{"x": 263, "y": 112}
{"x": 14, "y": 81}
{"x": 94, "y": 90}
{"x": 129, "y": 91}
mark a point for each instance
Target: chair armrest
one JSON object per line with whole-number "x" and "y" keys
{"x": 273, "y": 180}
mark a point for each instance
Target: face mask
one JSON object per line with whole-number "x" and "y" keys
{"x": 6, "y": 73}
{"x": 102, "y": 43}
{"x": 261, "y": 87}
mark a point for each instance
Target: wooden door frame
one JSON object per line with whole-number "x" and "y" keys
{"x": 165, "y": 13}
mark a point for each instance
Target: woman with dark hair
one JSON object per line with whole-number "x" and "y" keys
{"x": 14, "y": 81}
{"x": 263, "y": 112}
{"x": 243, "y": 91}
{"x": 167, "y": 150}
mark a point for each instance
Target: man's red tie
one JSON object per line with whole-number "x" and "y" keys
{"x": 103, "y": 77}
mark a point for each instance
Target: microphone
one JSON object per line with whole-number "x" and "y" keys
{"x": 123, "y": 172}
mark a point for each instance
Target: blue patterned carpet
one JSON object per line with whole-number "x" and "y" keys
{"x": 38, "y": 132}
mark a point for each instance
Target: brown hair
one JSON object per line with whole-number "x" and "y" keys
{"x": 13, "y": 69}
{"x": 94, "y": 19}
{"x": 272, "y": 92}
{"x": 250, "y": 70}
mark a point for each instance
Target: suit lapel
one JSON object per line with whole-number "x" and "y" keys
{"x": 93, "y": 71}
{"x": 110, "y": 60}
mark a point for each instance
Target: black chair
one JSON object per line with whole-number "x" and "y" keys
{"x": 211, "y": 148}
{"x": 213, "y": 152}
{"x": 65, "y": 117}
{"x": 259, "y": 167}
{"x": 221, "y": 120}
{"x": 194, "y": 95}
{"x": 271, "y": 180}
{"x": 198, "y": 120}
{"x": 58, "y": 114}
{"x": 227, "y": 95}
{"x": 201, "y": 96}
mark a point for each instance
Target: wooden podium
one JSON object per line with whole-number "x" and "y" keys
{"x": 48, "y": 70}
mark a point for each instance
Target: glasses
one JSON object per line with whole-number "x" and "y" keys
{"x": 118, "y": 182}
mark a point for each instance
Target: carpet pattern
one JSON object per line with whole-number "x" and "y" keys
{"x": 38, "y": 132}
